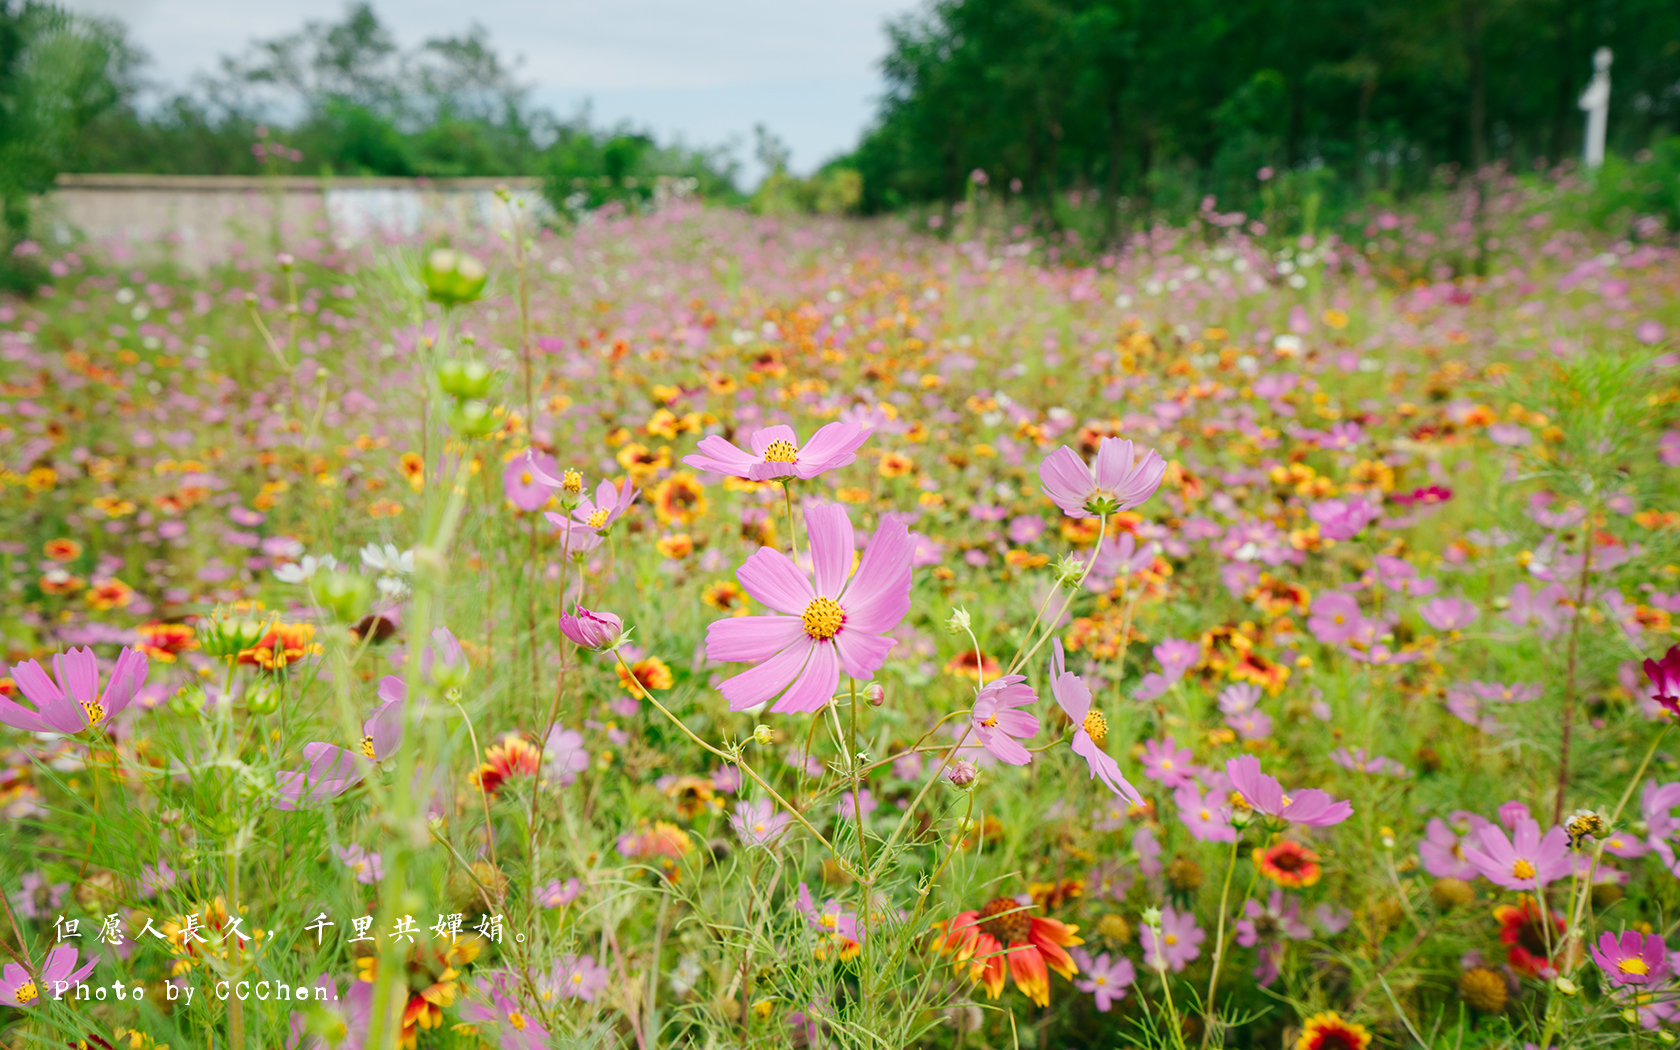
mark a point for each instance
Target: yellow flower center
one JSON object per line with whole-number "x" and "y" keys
{"x": 1099, "y": 980}
{"x": 1171, "y": 939}
{"x": 1522, "y": 869}
{"x": 823, "y": 618}
{"x": 597, "y": 519}
{"x": 367, "y": 747}
{"x": 831, "y": 922}
{"x": 525, "y": 478}
{"x": 572, "y": 482}
{"x": 577, "y": 978}
{"x": 1238, "y": 802}
{"x": 26, "y": 991}
{"x": 517, "y": 1019}
{"x": 990, "y": 721}
{"x": 1206, "y": 815}
{"x": 1096, "y": 727}
{"x": 1633, "y": 966}
{"x": 781, "y": 452}
{"x": 94, "y": 711}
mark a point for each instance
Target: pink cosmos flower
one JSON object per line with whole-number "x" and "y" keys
{"x": 334, "y": 770}
{"x": 758, "y": 823}
{"x": 1335, "y": 617}
{"x": 1442, "y": 852}
{"x": 58, "y": 975}
{"x": 833, "y": 919}
{"x": 1176, "y": 944}
{"x": 1120, "y": 480}
{"x": 1177, "y": 656}
{"x": 587, "y": 629}
{"x": 1633, "y": 958}
{"x": 368, "y": 868}
{"x": 776, "y": 453}
{"x": 1265, "y": 795}
{"x": 1265, "y": 925}
{"x": 1525, "y": 861}
{"x": 1239, "y": 697}
{"x": 528, "y": 480}
{"x": 1105, "y": 979}
{"x": 1164, "y": 761}
{"x": 1344, "y": 519}
{"x": 1251, "y": 725}
{"x": 1449, "y": 614}
{"x": 557, "y": 894}
{"x": 1665, "y": 679}
{"x": 564, "y": 756}
{"x": 69, "y": 700}
{"x": 837, "y": 624}
{"x": 577, "y": 977}
{"x": 998, "y": 724}
{"x": 1206, "y": 817}
{"x": 353, "y": 1012}
{"x": 1148, "y": 850}
{"x": 514, "y": 1030}
{"x": 591, "y": 518}
{"x": 847, "y": 807}
{"x": 1090, "y": 728}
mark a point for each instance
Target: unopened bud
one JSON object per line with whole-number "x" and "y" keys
{"x": 962, "y": 772}
{"x": 344, "y": 595}
{"x": 959, "y": 621}
{"x": 763, "y": 735}
{"x": 464, "y": 379}
{"x": 875, "y": 693}
{"x": 1566, "y": 986}
{"x": 1152, "y": 917}
{"x": 1386, "y": 834}
{"x": 285, "y": 260}
{"x": 453, "y": 277}
{"x": 472, "y": 418}
{"x": 263, "y": 699}
{"x": 1630, "y": 1015}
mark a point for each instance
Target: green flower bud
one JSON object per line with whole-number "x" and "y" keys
{"x": 472, "y": 419}
{"x": 189, "y": 699}
{"x": 263, "y": 699}
{"x": 466, "y": 380}
{"x": 453, "y": 277}
{"x": 344, "y": 595}
{"x": 959, "y": 621}
{"x": 763, "y": 734}
{"x": 226, "y": 635}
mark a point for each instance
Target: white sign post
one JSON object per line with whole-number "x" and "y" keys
{"x": 1595, "y": 101}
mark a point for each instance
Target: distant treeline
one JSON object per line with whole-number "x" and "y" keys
{"x": 1144, "y": 105}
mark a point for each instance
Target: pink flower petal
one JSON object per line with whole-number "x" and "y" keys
{"x": 773, "y": 579}
{"x": 830, "y": 530}
{"x": 758, "y": 684}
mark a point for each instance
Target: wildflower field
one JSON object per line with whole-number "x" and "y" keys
{"x": 699, "y": 629}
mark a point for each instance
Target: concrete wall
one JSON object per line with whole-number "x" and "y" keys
{"x": 199, "y": 220}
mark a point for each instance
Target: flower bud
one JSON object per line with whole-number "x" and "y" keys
{"x": 344, "y": 595}
{"x": 959, "y": 621}
{"x": 225, "y": 634}
{"x": 962, "y": 772}
{"x": 189, "y": 698}
{"x": 464, "y": 379}
{"x": 1566, "y": 986}
{"x": 875, "y": 693}
{"x": 1151, "y": 917}
{"x": 598, "y": 631}
{"x": 1666, "y": 1036}
{"x": 445, "y": 660}
{"x": 453, "y": 277}
{"x": 763, "y": 734}
{"x": 263, "y": 699}
{"x": 472, "y": 418}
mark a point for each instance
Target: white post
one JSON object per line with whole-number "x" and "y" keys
{"x": 1595, "y": 101}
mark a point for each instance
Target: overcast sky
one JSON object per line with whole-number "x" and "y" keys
{"x": 704, "y": 70}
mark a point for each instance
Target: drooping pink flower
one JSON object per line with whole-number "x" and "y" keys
{"x": 58, "y": 975}
{"x": 527, "y": 480}
{"x": 1344, "y": 519}
{"x": 1164, "y": 761}
{"x": 1105, "y": 979}
{"x": 1665, "y": 679}
{"x": 1176, "y": 944}
{"x": 776, "y": 453}
{"x": 1633, "y": 958}
{"x": 1120, "y": 479}
{"x": 69, "y": 700}
{"x": 1449, "y": 614}
{"x": 1265, "y": 795}
{"x": 998, "y": 723}
{"x": 1090, "y": 728}
{"x": 840, "y": 623}
{"x": 1526, "y": 860}
{"x": 588, "y": 629}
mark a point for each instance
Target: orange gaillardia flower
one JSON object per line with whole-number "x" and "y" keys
{"x": 162, "y": 641}
{"x": 651, "y": 673}
{"x": 1006, "y": 929}
{"x": 679, "y": 498}
{"x": 962, "y": 665}
{"x": 1288, "y": 863}
{"x": 109, "y": 594}
{"x": 514, "y": 756}
{"x": 414, "y": 469}
{"x": 283, "y": 645}
{"x": 727, "y": 596}
{"x": 62, "y": 549}
{"x": 429, "y": 980}
{"x": 1522, "y": 926}
{"x": 1328, "y": 1031}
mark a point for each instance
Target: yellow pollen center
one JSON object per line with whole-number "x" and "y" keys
{"x": 1171, "y": 939}
{"x": 831, "y": 922}
{"x": 823, "y": 618}
{"x": 1522, "y": 869}
{"x": 1287, "y": 801}
{"x": 1206, "y": 815}
{"x": 1238, "y": 802}
{"x": 1633, "y": 966}
{"x": 781, "y": 452}
{"x": 990, "y": 721}
{"x": 1099, "y": 981}
{"x": 597, "y": 519}
{"x": 517, "y": 1020}
{"x": 525, "y": 478}
{"x": 572, "y": 481}
{"x": 94, "y": 712}
{"x": 367, "y": 747}
{"x": 1096, "y": 727}
{"x": 26, "y": 991}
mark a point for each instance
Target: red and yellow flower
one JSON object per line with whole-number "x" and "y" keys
{"x": 163, "y": 641}
{"x": 1006, "y": 929}
{"x": 514, "y": 756}
{"x": 1329, "y": 1031}
{"x": 1289, "y": 864}
{"x": 1522, "y": 926}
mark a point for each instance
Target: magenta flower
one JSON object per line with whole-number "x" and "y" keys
{"x": 557, "y": 894}
{"x": 1175, "y": 945}
{"x": 1265, "y": 925}
{"x": 368, "y": 868}
{"x": 1090, "y": 728}
{"x": 1525, "y": 861}
{"x": 564, "y": 756}
{"x": 58, "y": 975}
{"x": 1664, "y": 675}
{"x": 515, "y": 1030}
{"x": 832, "y": 919}
{"x": 353, "y": 1012}
{"x": 1265, "y": 796}
{"x": 1238, "y": 698}
{"x": 591, "y": 518}
{"x": 528, "y": 480}
{"x": 578, "y": 977}
{"x": 1177, "y": 656}
{"x": 1164, "y": 761}
{"x": 1633, "y": 958}
{"x": 1344, "y": 519}
{"x": 837, "y": 624}
{"x": 1106, "y": 979}
{"x": 69, "y": 700}
{"x": 1207, "y": 816}
{"x": 587, "y": 629}
{"x": 334, "y": 770}
{"x": 776, "y": 453}
{"x": 1449, "y": 614}
{"x": 999, "y": 725}
{"x": 1442, "y": 852}
{"x": 1120, "y": 480}
{"x": 759, "y": 823}
{"x": 1335, "y": 618}
{"x": 155, "y": 878}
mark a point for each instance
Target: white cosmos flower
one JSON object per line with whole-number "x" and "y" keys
{"x": 301, "y": 571}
